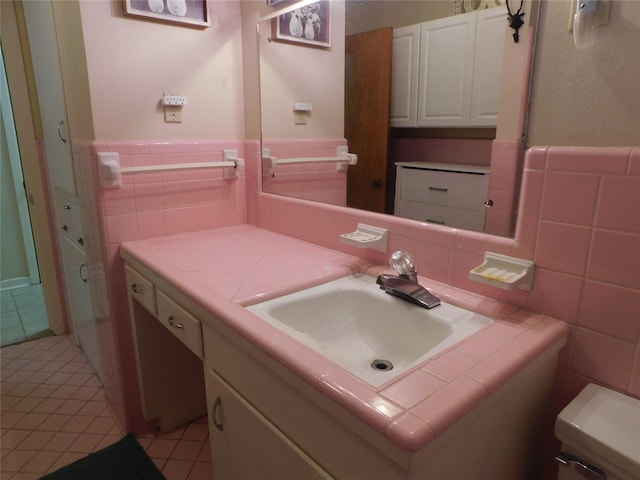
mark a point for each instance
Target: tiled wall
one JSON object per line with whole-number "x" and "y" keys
{"x": 147, "y": 205}
{"x": 320, "y": 182}
{"x": 578, "y": 220}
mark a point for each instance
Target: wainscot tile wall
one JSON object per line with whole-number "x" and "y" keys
{"x": 148, "y": 204}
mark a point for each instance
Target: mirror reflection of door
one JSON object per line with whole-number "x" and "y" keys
{"x": 367, "y": 105}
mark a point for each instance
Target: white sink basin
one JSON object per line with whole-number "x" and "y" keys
{"x": 373, "y": 335}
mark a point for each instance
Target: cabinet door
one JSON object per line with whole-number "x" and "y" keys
{"x": 404, "y": 76}
{"x": 46, "y": 66}
{"x": 446, "y": 69}
{"x": 491, "y": 29}
{"x": 246, "y": 445}
{"x": 84, "y": 324}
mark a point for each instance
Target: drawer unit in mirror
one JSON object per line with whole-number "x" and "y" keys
{"x": 445, "y": 194}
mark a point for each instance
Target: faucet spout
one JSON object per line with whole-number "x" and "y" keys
{"x": 408, "y": 289}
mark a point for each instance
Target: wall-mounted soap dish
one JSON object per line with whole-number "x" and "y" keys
{"x": 367, "y": 236}
{"x": 504, "y": 272}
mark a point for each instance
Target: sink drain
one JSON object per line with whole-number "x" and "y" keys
{"x": 382, "y": 365}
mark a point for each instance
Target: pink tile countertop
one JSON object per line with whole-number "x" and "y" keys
{"x": 225, "y": 269}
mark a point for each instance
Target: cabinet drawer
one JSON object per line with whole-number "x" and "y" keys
{"x": 70, "y": 220}
{"x": 449, "y": 216}
{"x": 141, "y": 289}
{"x": 181, "y": 323}
{"x": 450, "y": 189}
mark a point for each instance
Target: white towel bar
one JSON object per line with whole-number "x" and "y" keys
{"x": 111, "y": 173}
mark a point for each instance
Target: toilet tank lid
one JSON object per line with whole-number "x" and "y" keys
{"x": 606, "y": 423}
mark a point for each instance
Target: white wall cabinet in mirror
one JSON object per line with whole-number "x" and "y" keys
{"x": 460, "y": 66}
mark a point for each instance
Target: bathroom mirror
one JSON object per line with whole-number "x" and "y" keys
{"x": 303, "y": 105}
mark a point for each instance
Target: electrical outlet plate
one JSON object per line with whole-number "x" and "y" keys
{"x": 172, "y": 114}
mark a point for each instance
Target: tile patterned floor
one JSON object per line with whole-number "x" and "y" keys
{"x": 53, "y": 411}
{"x": 23, "y": 315}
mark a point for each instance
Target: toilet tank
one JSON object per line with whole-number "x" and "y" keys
{"x": 600, "y": 435}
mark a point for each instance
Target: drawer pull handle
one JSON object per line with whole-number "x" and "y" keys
{"x": 439, "y": 189}
{"x": 174, "y": 323}
{"x": 217, "y": 416}
{"x": 67, "y": 207}
{"x": 584, "y": 469}
{"x": 136, "y": 288}
{"x": 60, "y": 125}
{"x": 83, "y": 268}
{"x": 439, "y": 222}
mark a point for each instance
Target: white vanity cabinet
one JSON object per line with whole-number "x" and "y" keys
{"x": 447, "y": 72}
{"x": 168, "y": 358}
{"x": 445, "y": 194}
{"x": 246, "y": 445}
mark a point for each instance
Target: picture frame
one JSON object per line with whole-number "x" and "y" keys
{"x": 192, "y": 13}
{"x": 308, "y": 25}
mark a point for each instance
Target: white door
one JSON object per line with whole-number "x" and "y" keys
{"x": 446, "y": 69}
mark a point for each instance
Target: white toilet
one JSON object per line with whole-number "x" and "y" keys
{"x": 600, "y": 435}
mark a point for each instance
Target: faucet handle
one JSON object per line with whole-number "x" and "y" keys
{"x": 402, "y": 263}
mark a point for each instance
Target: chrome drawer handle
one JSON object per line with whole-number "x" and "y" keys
{"x": 587, "y": 471}
{"x": 439, "y": 189}
{"x": 136, "y": 288}
{"x": 439, "y": 222}
{"x": 174, "y": 323}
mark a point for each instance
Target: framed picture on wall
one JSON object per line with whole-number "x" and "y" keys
{"x": 308, "y": 25}
{"x": 192, "y": 13}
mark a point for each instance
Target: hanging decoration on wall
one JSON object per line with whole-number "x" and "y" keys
{"x": 515, "y": 20}
{"x": 192, "y": 13}
{"x": 306, "y": 25}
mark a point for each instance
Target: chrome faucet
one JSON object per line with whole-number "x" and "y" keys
{"x": 405, "y": 285}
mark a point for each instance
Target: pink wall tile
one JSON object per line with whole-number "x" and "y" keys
{"x": 569, "y": 198}
{"x": 536, "y": 158}
{"x": 611, "y": 310}
{"x": 603, "y": 358}
{"x": 615, "y": 258}
{"x": 554, "y": 252}
{"x": 588, "y": 159}
{"x": 556, "y": 294}
{"x": 619, "y": 207}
